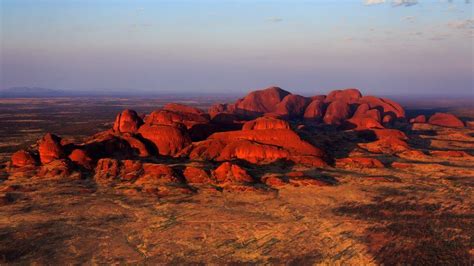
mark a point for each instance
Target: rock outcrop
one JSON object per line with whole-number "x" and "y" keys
{"x": 267, "y": 128}
{"x": 81, "y": 158}
{"x": 127, "y": 121}
{"x": 22, "y": 158}
{"x": 50, "y": 149}
{"x": 231, "y": 173}
{"x": 348, "y": 96}
{"x": 260, "y": 102}
{"x": 445, "y": 120}
{"x": 418, "y": 119}
{"x": 292, "y": 106}
{"x": 167, "y": 140}
{"x": 266, "y": 123}
{"x": 337, "y": 112}
{"x": 314, "y": 111}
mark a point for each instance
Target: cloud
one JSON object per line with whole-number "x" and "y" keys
{"x": 415, "y": 33}
{"x": 409, "y": 19}
{"x": 275, "y": 19}
{"x": 462, "y": 24}
{"x": 439, "y": 37}
{"x": 394, "y": 2}
{"x": 373, "y": 2}
{"x": 404, "y": 2}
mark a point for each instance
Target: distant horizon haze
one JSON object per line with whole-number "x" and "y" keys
{"x": 383, "y": 47}
{"x": 110, "y": 92}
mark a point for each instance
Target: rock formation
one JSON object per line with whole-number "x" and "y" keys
{"x": 167, "y": 140}
{"x": 445, "y": 120}
{"x": 22, "y": 158}
{"x": 178, "y": 147}
{"x": 127, "y": 122}
{"x": 49, "y": 148}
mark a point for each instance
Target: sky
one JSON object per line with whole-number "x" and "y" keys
{"x": 386, "y": 47}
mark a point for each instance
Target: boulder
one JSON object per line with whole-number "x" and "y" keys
{"x": 284, "y": 138}
{"x": 259, "y": 102}
{"x": 274, "y": 181}
{"x": 314, "y": 111}
{"x": 130, "y": 170}
{"x": 364, "y": 118}
{"x": 206, "y": 150}
{"x": 348, "y": 96}
{"x": 172, "y": 118}
{"x": 55, "y": 169}
{"x": 231, "y": 173}
{"x": 50, "y": 149}
{"x": 445, "y": 120}
{"x": 168, "y": 140}
{"x": 320, "y": 98}
{"x": 219, "y": 109}
{"x": 127, "y": 121}
{"x": 418, "y": 119}
{"x": 266, "y": 123}
{"x": 385, "y": 106}
{"x": 157, "y": 173}
{"x": 292, "y": 106}
{"x": 107, "y": 145}
{"x": 138, "y": 147}
{"x": 362, "y": 123}
{"x": 364, "y": 110}
{"x": 81, "y": 158}
{"x": 181, "y": 108}
{"x": 22, "y": 158}
{"x": 196, "y": 175}
{"x": 107, "y": 170}
{"x": 252, "y": 152}
{"x": 337, "y": 112}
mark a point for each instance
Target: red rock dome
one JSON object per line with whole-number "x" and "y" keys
{"x": 445, "y": 120}
{"x": 49, "y": 148}
{"x": 127, "y": 121}
{"x": 22, "y": 158}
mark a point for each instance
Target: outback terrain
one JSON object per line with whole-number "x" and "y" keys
{"x": 272, "y": 178}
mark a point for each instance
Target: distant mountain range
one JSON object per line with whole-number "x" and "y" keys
{"x": 31, "y": 92}
{"x": 38, "y": 92}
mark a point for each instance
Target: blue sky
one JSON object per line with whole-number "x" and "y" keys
{"x": 391, "y": 47}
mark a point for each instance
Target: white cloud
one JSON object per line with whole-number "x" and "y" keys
{"x": 373, "y": 2}
{"x": 409, "y": 19}
{"x": 275, "y": 19}
{"x": 462, "y": 24}
{"x": 404, "y": 2}
{"x": 439, "y": 37}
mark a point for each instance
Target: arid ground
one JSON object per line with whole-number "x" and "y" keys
{"x": 415, "y": 210}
